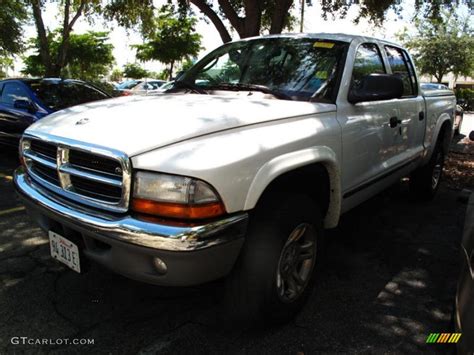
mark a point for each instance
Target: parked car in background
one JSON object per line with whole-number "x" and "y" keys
{"x": 434, "y": 86}
{"x": 458, "y": 118}
{"x": 435, "y": 89}
{"x": 168, "y": 85}
{"x": 125, "y": 86}
{"x": 25, "y": 101}
{"x": 147, "y": 87}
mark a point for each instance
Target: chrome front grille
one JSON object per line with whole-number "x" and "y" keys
{"x": 92, "y": 175}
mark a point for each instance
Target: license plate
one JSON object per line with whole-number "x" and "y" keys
{"x": 65, "y": 251}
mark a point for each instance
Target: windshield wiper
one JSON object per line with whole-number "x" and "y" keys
{"x": 181, "y": 84}
{"x": 251, "y": 87}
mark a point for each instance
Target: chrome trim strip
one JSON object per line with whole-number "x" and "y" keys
{"x": 64, "y": 145}
{"x": 69, "y": 169}
{"x": 29, "y": 154}
{"x": 126, "y": 228}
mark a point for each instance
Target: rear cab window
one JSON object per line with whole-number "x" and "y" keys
{"x": 402, "y": 67}
{"x": 368, "y": 60}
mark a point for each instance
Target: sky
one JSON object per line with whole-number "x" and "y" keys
{"x": 122, "y": 39}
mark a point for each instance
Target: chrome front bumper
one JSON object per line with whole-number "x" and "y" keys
{"x": 194, "y": 254}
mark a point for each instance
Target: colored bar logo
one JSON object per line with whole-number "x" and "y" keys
{"x": 439, "y": 338}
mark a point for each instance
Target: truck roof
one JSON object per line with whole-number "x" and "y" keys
{"x": 343, "y": 37}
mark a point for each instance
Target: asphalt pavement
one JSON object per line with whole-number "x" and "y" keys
{"x": 388, "y": 281}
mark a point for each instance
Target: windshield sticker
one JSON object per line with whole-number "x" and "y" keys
{"x": 328, "y": 45}
{"x": 322, "y": 74}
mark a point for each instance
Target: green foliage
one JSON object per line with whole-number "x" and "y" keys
{"x": 442, "y": 46}
{"x": 12, "y": 16}
{"x": 5, "y": 64}
{"x": 173, "y": 40}
{"x": 161, "y": 75}
{"x": 251, "y": 18}
{"x": 468, "y": 96}
{"x": 116, "y": 75}
{"x": 188, "y": 63}
{"x": 89, "y": 56}
{"x": 129, "y": 14}
{"x": 134, "y": 71}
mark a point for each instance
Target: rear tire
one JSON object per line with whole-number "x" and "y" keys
{"x": 276, "y": 269}
{"x": 425, "y": 181}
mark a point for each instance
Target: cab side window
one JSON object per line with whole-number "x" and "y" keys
{"x": 12, "y": 92}
{"x": 400, "y": 67}
{"x": 368, "y": 61}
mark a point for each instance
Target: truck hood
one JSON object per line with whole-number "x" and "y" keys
{"x": 135, "y": 125}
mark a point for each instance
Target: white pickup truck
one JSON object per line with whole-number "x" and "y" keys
{"x": 236, "y": 171}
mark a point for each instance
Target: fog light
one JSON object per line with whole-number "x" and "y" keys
{"x": 160, "y": 265}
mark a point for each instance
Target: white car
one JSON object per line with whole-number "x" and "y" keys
{"x": 239, "y": 168}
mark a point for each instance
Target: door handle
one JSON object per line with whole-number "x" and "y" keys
{"x": 394, "y": 121}
{"x": 421, "y": 115}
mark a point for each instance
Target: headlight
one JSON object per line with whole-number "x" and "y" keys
{"x": 175, "y": 196}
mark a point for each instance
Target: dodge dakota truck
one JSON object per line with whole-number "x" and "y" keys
{"x": 236, "y": 171}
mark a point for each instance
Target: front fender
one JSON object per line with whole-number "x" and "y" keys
{"x": 291, "y": 161}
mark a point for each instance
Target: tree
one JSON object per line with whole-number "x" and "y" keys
{"x": 134, "y": 71}
{"x": 12, "y": 16}
{"x": 5, "y": 64}
{"x": 89, "y": 56}
{"x": 173, "y": 39}
{"x": 253, "y": 17}
{"x": 441, "y": 46}
{"x": 128, "y": 13}
{"x": 116, "y": 75}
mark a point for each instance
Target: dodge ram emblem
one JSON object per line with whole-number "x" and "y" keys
{"x": 82, "y": 121}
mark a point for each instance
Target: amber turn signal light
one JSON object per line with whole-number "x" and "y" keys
{"x": 175, "y": 210}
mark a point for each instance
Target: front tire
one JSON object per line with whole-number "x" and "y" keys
{"x": 276, "y": 269}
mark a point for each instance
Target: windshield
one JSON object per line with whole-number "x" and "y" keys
{"x": 290, "y": 68}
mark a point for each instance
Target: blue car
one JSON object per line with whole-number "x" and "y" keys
{"x": 24, "y": 101}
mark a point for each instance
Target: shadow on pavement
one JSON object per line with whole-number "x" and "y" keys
{"x": 389, "y": 280}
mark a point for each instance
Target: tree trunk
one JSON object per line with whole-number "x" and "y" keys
{"x": 253, "y": 19}
{"x": 279, "y": 15}
{"x": 216, "y": 21}
{"x": 171, "y": 71}
{"x": 61, "y": 61}
{"x": 43, "y": 39}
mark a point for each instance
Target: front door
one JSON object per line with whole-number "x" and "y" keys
{"x": 369, "y": 141}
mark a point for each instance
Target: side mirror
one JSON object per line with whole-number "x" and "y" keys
{"x": 471, "y": 136}
{"x": 375, "y": 87}
{"x": 25, "y": 105}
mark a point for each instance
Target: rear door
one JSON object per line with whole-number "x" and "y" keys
{"x": 411, "y": 127}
